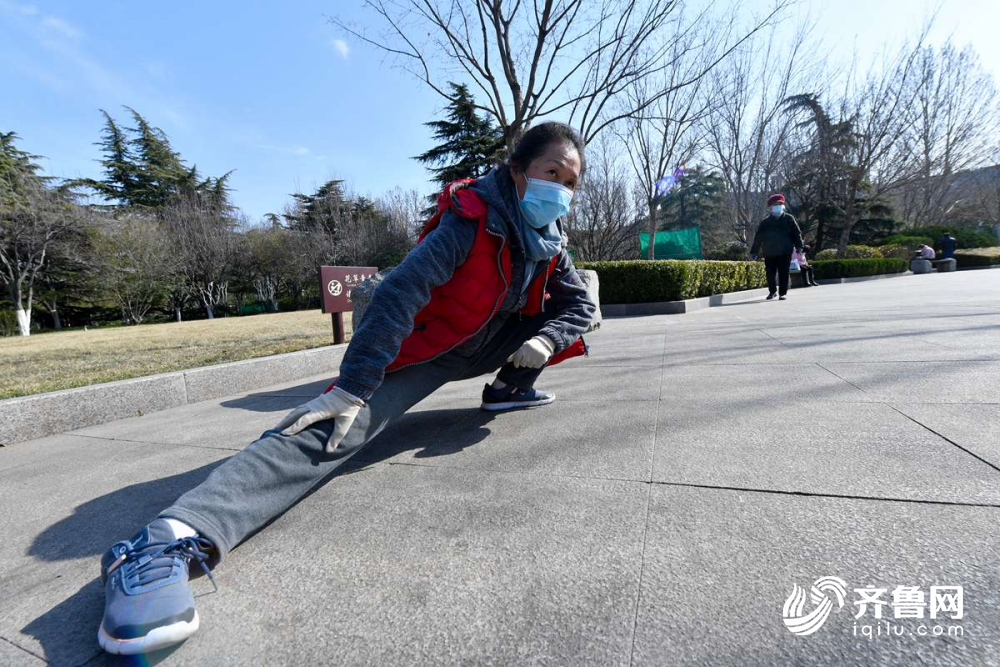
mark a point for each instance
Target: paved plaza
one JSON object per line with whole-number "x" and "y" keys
{"x": 694, "y": 470}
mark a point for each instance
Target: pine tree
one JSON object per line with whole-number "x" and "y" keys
{"x": 471, "y": 143}
{"x": 142, "y": 170}
{"x": 320, "y": 211}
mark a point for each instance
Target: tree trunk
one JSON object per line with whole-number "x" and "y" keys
{"x": 274, "y": 304}
{"x": 56, "y": 320}
{"x": 652, "y": 229}
{"x": 23, "y": 321}
{"x": 845, "y": 233}
{"x": 177, "y": 313}
{"x": 209, "y": 311}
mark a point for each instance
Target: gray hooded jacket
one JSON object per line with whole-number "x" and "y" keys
{"x": 407, "y": 289}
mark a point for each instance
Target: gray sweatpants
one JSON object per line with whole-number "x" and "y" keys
{"x": 269, "y": 476}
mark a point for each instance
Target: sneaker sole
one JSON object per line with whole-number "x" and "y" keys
{"x": 516, "y": 405}
{"x": 154, "y": 640}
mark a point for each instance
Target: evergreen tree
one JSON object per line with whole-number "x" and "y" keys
{"x": 320, "y": 211}
{"x": 142, "y": 170}
{"x": 696, "y": 201}
{"x": 471, "y": 143}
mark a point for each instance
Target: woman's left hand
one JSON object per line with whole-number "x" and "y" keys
{"x": 535, "y": 353}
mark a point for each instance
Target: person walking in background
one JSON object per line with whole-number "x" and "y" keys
{"x": 808, "y": 273}
{"x": 949, "y": 244}
{"x": 777, "y": 237}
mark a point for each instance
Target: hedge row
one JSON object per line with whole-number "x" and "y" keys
{"x": 853, "y": 268}
{"x": 643, "y": 281}
{"x": 969, "y": 259}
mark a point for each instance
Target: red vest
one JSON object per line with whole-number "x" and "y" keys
{"x": 461, "y": 307}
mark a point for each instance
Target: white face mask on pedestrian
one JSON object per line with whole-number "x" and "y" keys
{"x": 777, "y": 210}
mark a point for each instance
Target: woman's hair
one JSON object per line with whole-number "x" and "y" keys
{"x": 535, "y": 141}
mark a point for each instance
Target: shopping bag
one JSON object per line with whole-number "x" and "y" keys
{"x": 794, "y": 266}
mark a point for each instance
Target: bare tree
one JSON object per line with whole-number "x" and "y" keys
{"x": 33, "y": 221}
{"x": 746, "y": 132}
{"x": 205, "y": 241}
{"x": 602, "y": 224}
{"x": 949, "y": 129}
{"x": 531, "y": 60}
{"x": 876, "y": 105}
{"x": 665, "y": 134}
{"x": 136, "y": 261}
{"x": 405, "y": 210}
{"x": 369, "y": 236}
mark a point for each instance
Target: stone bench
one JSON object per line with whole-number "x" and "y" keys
{"x": 927, "y": 265}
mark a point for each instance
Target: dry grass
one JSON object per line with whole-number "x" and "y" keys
{"x": 63, "y": 360}
{"x": 985, "y": 252}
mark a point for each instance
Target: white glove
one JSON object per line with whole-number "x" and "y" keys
{"x": 335, "y": 404}
{"x": 535, "y": 353}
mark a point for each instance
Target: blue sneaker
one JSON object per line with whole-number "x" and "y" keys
{"x": 512, "y": 398}
{"x": 148, "y": 603}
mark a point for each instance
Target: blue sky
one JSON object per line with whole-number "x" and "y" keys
{"x": 275, "y": 92}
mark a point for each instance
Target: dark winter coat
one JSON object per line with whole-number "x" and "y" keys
{"x": 776, "y": 236}
{"x": 948, "y": 246}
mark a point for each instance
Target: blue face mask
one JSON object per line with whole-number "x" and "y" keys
{"x": 776, "y": 211}
{"x": 544, "y": 201}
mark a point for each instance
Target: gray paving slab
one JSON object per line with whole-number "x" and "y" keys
{"x": 578, "y": 438}
{"x": 974, "y": 427}
{"x": 231, "y": 423}
{"x": 924, "y": 382}
{"x": 866, "y": 450}
{"x": 464, "y": 538}
{"x": 60, "y": 513}
{"x": 13, "y": 656}
{"x": 774, "y": 384}
{"x": 408, "y": 565}
{"x": 719, "y": 565}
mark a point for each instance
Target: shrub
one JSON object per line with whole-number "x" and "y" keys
{"x": 967, "y": 238}
{"x": 8, "y": 323}
{"x": 910, "y": 241}
{"x": 643, "y": 281}
{"x": 896, "y": 250}
{"x": 853, "y": 268}
{"x": 967, "y": 259}
{"x": 853, "y": 252}
{"x": 734, "y": 251}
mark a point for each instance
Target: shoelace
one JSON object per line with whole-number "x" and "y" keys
{"x": 155, "y": 560}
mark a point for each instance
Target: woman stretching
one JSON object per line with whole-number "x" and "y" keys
{"x": 488, "y": 286}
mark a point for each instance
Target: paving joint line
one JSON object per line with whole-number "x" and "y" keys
{"x": 810, "y": 494}
{"x": 945, "y": 438}
{"x": 31, "y": 653}
{"x": 499, "y": 471}
{"x": 144, "y": 442}
{"x": 836, "y": 375}
{"x": 645, "y": 522}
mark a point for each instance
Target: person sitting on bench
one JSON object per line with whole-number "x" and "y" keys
{"x": 808, "y": 273}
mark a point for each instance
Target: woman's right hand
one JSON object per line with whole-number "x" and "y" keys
{"x": 335, "y": 404}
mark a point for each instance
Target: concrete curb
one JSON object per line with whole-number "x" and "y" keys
{"x": 30, "y": 417}
{"x": 861, "y": 279}
{"x": 679, "y": 307}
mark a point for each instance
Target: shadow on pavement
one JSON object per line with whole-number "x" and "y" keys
{"x": 97, "y": 524}
{"x": 68, "y": 631}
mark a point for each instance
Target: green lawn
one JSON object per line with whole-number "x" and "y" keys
{"x": 62, "y": 360}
